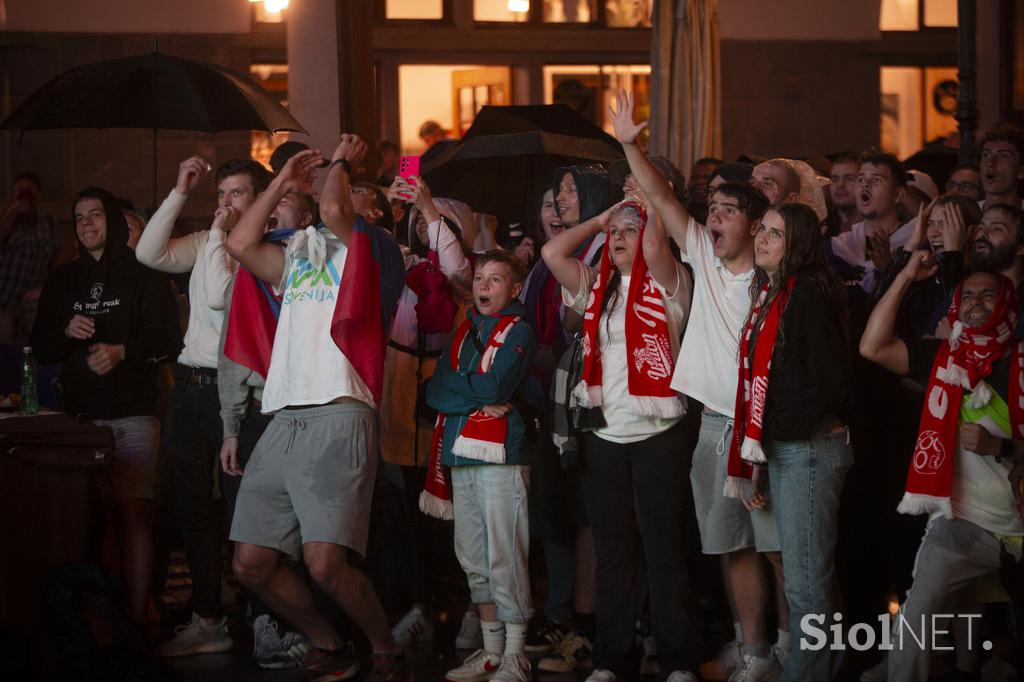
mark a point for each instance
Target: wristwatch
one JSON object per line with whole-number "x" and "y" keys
{"x": 343, "y": 163}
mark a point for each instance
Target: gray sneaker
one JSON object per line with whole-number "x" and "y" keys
{"x": 197, "y": 637}
{"x": 273, "y": 652}
{"x": 757, "y": 669}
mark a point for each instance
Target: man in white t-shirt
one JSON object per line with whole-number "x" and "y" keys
{"x": 963, "y": 543}
{"x": 193, "y": 432}
{"x": 722, "y": 258}
{"x": 869, "y": 244}
{"x": 308, "y": 486}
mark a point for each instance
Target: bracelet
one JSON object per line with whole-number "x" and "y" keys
{"x": 343, "y": 163}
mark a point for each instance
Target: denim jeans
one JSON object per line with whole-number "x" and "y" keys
{"x": 806, "y": 479}
{"x": 492, "y": 536}
{"x": 631, "y": 486}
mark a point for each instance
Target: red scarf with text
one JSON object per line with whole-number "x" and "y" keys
{"x": 482, "y": 437}
{"x": 962, "y": 363}
{"x": 650, "y": 361}
{"x": 745, "y": 450}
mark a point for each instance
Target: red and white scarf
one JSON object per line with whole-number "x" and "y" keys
{"x": 648, "y": 345}
{"x": 962, "y": 363}
{"x": 745, "y": 450}
{"x": 482, "y": 437}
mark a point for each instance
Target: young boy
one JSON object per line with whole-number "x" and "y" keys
{"x": 480, "y": 435}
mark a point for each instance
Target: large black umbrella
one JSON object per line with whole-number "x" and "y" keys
{"x": 508, "y": 157}
{"x": 152, "y": 91}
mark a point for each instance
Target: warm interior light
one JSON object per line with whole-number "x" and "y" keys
{"x": 519, "y": 6}
{"x": 274, "y": 6}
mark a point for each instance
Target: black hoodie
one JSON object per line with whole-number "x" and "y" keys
{"x": 130, "y": 305}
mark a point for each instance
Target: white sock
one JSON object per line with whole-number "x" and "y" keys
{"x": 737, "y": 631}
{"x": 494, "y": 636}
{"x": 783, "y": 641}
{"x": 515, "y": 638}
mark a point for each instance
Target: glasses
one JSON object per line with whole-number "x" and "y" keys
{"x": 953, "y": 186}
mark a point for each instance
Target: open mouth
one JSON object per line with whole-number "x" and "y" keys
{"x": 717, "y": 238}
{"x": 483, "y": 301}
{"x": 988, "y": 178}
{"x": 272, "y": 222}
{"x": 982, "y": 245}
{"x": 865, "y": 197}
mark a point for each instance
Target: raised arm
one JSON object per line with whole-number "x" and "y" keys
{"x": 156, "y": 249}
{"x": 440, "y": 237}
{"x": 220, "y": 267}
{"x": 558, "y": 253}
{"x": 654, "y": 185}
{"x": 879, "y": 343}
{"x": 660, "y": 261}
{"x": 336, "y": 203}
{"x": 245, "y": 242}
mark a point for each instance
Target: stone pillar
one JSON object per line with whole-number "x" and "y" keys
{"x": 967, "y": 100}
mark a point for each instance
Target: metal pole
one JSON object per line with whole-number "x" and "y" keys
{"x": 967, "y": 94}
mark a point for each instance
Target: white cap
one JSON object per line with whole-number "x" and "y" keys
{"x": 923, "y": 182}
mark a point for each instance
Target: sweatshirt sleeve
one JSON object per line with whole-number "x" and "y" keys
{"x": 50, "y": 344}
{"x": 220, "y": 269}
{"x": 158, "y": 336}
{"x": 811, "y": 379}
{"x": 454, "y": 263}
{"x": 232, "y": 381}
{"x": 157, "y": 250}
{"x": 457, "y": 392}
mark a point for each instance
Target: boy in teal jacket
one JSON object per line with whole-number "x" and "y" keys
{"x": 482, "y": 441}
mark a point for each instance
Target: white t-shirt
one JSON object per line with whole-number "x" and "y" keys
{"x": 707, "y": 368}
{"x": 981, "y": 492}
{"x": 306, "y": 367}
{"x": 623, "y": 426}
{"x": 851, "y": 247}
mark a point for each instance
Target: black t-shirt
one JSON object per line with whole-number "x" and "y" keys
{"x": 921, "y": 354}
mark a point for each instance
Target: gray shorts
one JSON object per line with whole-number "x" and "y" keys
{"x": 136, "y": 455}
{"x": 310, "y": 479}
{"x": 725, "y": 524}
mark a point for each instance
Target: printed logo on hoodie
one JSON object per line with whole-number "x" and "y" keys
{"x": 307, "y": 284}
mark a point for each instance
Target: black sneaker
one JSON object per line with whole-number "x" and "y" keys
{"x": 546, "y": 638}
{"x": 389, "y": 668}
{"x": 324, "y": 664}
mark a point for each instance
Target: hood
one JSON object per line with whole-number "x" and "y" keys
{"x": 460, "y": 215}
{"x": 595, "y": 191}
{"x": 514, "y": 308}
{"x": 117, "y": 227}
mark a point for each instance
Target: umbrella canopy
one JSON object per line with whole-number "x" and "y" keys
{"x": 152, "y": 91}
{"x": 508, "y": 157}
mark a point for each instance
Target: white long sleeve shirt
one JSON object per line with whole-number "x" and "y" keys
{"x": 157, "y": 250}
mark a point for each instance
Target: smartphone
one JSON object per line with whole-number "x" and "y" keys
{"x": 408, "y": 166}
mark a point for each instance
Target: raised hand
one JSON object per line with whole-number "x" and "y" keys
{"x": 919, "y": 235}
{"x": 190, "y": 172}
{"x": 224, "y": 218}
{"x": 920, "y": 266}
{"x": 299, "y": 172}
{"x": 955, "y": 232}
{"x": 626, "y": 130}
{"x": 350, "y": 148}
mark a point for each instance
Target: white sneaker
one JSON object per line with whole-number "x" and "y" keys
{"x": 415, "y": 626}
{"x": 470, "y": 635}
{"x": 574, "y": 651}
{"x": 514, "y": 668}
{"x": 879, "y": 673}
{"x": 601, "y": 675}
{"x": 197, "y": 638}
{"x": 682, "y": 676}
{"x": 480, "y": 666}
{"x": 723, "y": 664}
{"x": 757, "y": 669}
{"x": 649, "y": 664}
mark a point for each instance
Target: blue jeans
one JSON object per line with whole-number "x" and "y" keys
{"x": 806, "y": 479}
{"x": 492, "y": 536}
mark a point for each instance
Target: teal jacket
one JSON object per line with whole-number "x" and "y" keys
{"x": 457, "y": 394}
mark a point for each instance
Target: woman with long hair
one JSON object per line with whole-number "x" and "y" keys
{"x": 634, "y": 307}
{"x": 793, "y": 389}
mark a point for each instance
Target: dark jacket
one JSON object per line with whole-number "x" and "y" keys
{"x": 130, "y": 305}
{"x": 458, "y": 393}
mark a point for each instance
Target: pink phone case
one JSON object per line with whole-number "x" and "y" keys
{"x": 408, "y": 166}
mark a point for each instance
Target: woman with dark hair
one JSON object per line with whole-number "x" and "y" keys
{"x": 110, "y": 322}
{"x": 634, "y": 305}
{"x": 793, "y": 390}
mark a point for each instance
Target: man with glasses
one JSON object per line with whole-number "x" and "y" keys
{"x": 965, "y": 180}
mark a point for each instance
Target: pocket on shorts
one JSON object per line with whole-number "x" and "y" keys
{"x": 838, "y": 450}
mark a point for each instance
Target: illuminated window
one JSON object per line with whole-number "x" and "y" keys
{"x": 590, "y": 89}
{"x": 414, "y": 9}
{"x": 918, "y": 104}
{"x": 628, "y": 13}
{"x": 906, "y": 15}
{"x": 570, "y": 11}
{"x": 428, "y": 92}
{"x": 501, "y": 10}
{"x": 274, "y": 79}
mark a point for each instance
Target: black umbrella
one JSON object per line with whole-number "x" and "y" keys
{"x": 152, "y": 91}
{"x": 508, "y": 157}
